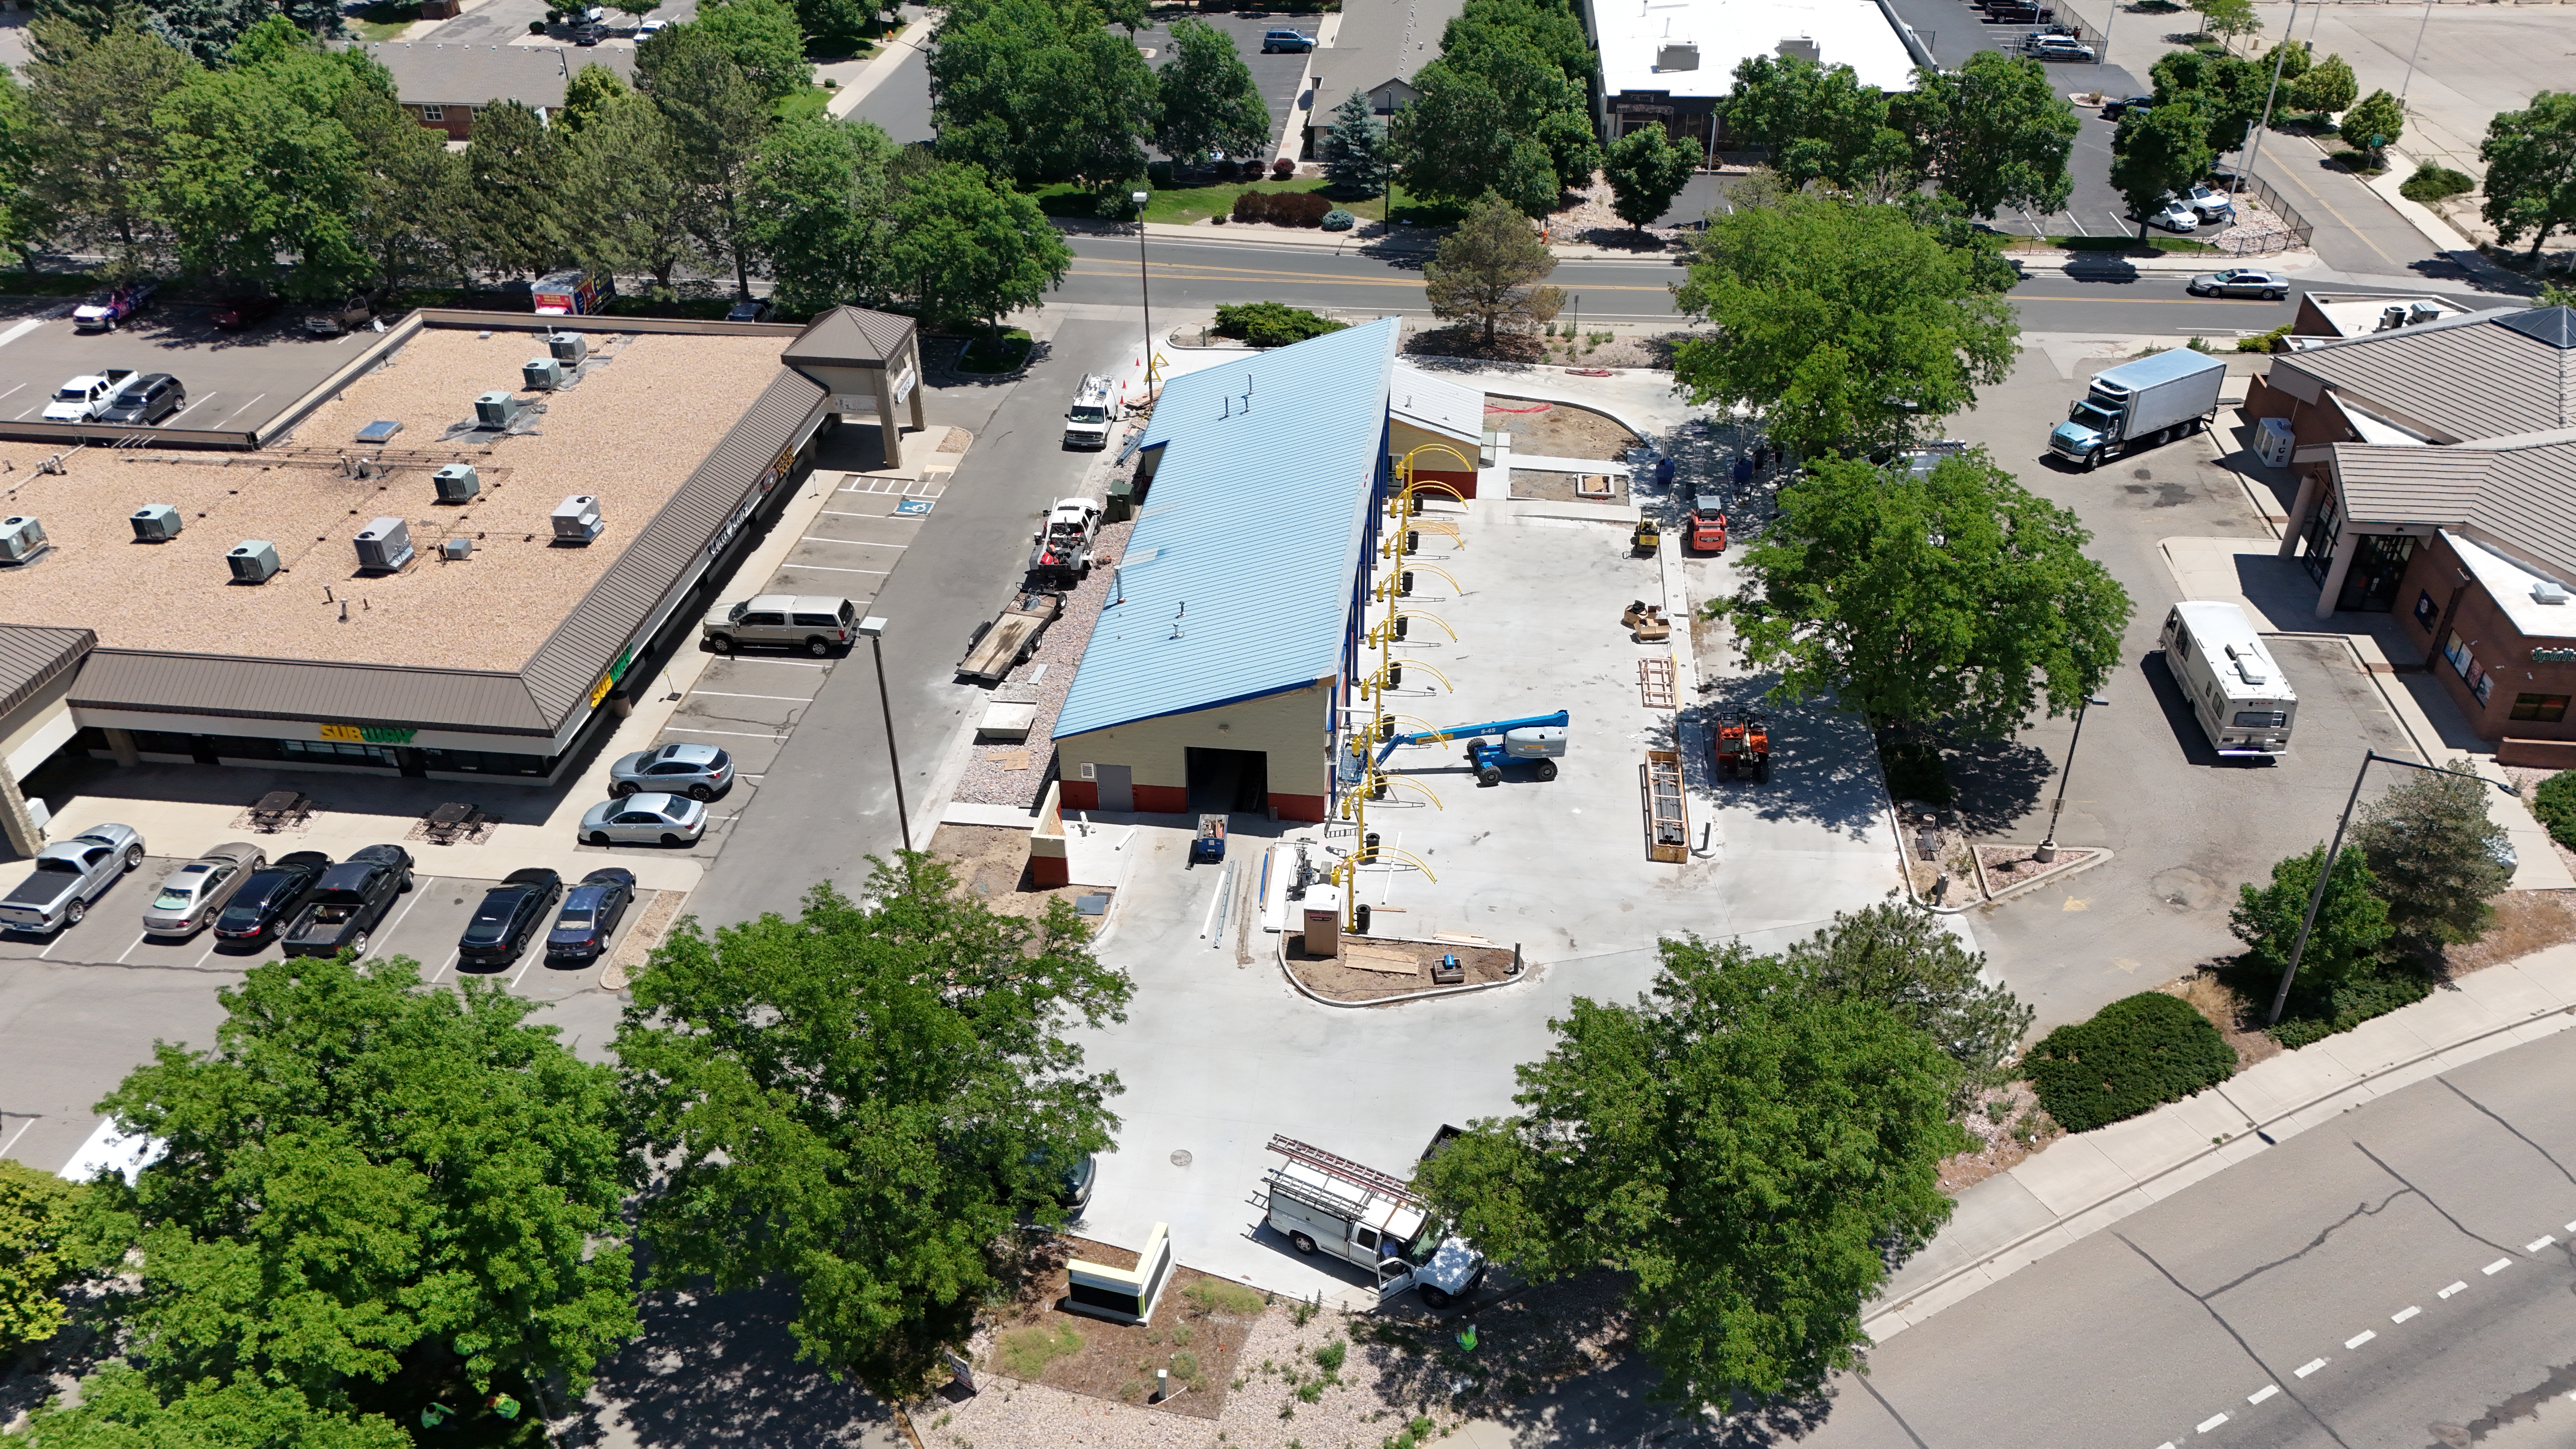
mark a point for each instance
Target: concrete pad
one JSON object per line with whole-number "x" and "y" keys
{"x": 2150, "y": 1142}
{"x": 1987, "y": 1217}
{"x": 1544, "y": 463}
{"x": 2073, "y": 1174}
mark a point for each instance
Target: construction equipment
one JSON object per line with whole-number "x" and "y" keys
{"x": 1012, "y": 637}
{"x": 1647, "y": 538}
{"x": 1744, "y": 745}
{"x": 1208, "y": 846}
{"x": 1538, "y": 738}
{"x": 1667, "y": 816}
{"x": 1707, "y": 524}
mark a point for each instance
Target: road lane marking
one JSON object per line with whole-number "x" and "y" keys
{"x": 2407, "y": 1312}
{"x": 723, "y": 694}
{"x": 21, "y": 330}
{"x": 2212, "y": 1422}
{"x": 1202, "y": 272}
{"x": 844, "y": 513}
{"x": 2498, "y": 1266}
{"x": 2311, "y": 1366}
{"x": 853, "y": 542}
{"x": 2455, "y": 1288}
{"x": 2543, "y": 1241}
{"x": 2358, "y": 1339}
{"x": 2265, "y": 1392}
{"x": 737, "y": 734}
{"x": 2571, "y": 1227}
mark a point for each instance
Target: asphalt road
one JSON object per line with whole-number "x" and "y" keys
{"x": 900, "y": 104}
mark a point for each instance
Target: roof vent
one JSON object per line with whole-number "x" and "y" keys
{"x": 254, "y": 561}
{"x": 457, "y": 482}
{"x": 542, "y": 374}
{"x": 497, "y": 410}
{"x": 1801, "y": 47}
{"x": 571, "y": 349}
{"x": 2249, "y": 665}
{"x": 577, "y": 519}
{"x": 155, "y": 523}
{"x": 2548, "y": 591}
{"x": 21, "y": 539}
{"x": 1679, "y": 55}
{"x": 384, "y": 545}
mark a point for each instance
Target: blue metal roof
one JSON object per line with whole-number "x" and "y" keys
{"x": 1238, "y": 575}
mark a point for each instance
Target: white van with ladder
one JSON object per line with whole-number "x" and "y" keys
{"x": 2236, "y": 687}
{"x": 1333, "y": 1206}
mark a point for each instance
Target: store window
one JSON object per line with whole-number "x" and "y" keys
{"x": 2456, "y": 649}
{"x": 2540, "y": 708}
{"x": 335, "y": 752}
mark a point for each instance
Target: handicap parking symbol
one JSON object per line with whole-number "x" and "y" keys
{"x": 913, "y": 507}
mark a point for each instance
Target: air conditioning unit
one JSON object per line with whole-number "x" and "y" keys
{"x": 457, "y": 483}
{"x": 2274, "y": 443}
{"x": 1677, "y": 55}
{"x": 384, "y": 545}
{"x": 456, "y": 550}
{"x": 155, "y": 523}
{"x": 254, "y": 561}
{"x": 2422, "y": 312}
{"x": 577, "y": 519}
{"x": 497, "y": 410}
{"x": 21, "y": 539}
{"x": 541, "y": 374}
{"x": 2392, "y": 316}
{"x": 572, "y": 349}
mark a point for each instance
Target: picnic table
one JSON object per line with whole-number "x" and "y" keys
{"x": 451, "y": 820}
{"x": 278, "y": 809}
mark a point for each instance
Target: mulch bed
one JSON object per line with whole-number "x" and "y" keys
{"x": 2011, "y": 865}
{"x": 1333, "y": 978}
{"x": 1117, "y": 1361}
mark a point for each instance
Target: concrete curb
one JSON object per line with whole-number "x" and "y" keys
{"x": 2101, "y": 856}
{"x": 1279, "y": 948}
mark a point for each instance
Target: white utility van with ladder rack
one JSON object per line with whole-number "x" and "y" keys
{"x": 1330, "y": 1205}
{"x": 2236, "y": 687}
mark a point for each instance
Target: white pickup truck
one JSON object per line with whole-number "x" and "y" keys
{"x": 70, "y": 874}
{"x": 85, "y": 397}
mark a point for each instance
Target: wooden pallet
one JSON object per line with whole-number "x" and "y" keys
{"x": 1655, "y": 683}
{"x": 1667, "y": 817}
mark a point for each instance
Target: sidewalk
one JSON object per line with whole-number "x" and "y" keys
{"x": 892, "y": 52}
{"x": 2085, "y": 1183}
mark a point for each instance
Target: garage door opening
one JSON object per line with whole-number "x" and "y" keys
{"x": 1224, "y": 781}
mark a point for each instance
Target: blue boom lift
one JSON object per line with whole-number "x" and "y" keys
{"x": 1540, "y": 738}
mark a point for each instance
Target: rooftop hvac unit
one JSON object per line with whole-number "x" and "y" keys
{"x": 2548, "y": 591}
{"x": 1677, "y": 55}
{"x": 1801, "y": 47}
{"x": 572, "y": 349}
{"x": 254, "y": 561}
{"x": 457, "y": 482}
{"x": 541, "y": 374}
{"x": 2275, "y": 443}
{"x": 384, "y": 545}
{"x": 2423, "y": 312}
{"x": 2392, "y": 316}
{"x": 21, "y": 539}
{"x": 497, "y": 410}
{"x": 577, "y": 519}
{"x": 456, "y": 550}
{"x": 155, "y": 522}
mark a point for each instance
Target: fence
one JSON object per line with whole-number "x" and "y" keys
{"x": 2295, "y": 232}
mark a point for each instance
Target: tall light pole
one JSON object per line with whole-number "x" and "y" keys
{"x": 2048, "y": 848}
{"x": 874, "y": 628}
{"x": 2413, "y": 54}
{"x": 1143, "y": 289}
{"x": 2325, "y": 872}
{"x": 2280, "y": 53}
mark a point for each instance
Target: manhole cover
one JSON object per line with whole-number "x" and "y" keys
{"x": 1181, "y": 1158}
{"x": 2186, "y": 889}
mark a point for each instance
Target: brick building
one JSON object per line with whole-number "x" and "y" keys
{"x": 442, "y": 86}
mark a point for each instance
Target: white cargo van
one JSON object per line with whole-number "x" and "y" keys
{"x": 1333, "y": 1206}
{"x": 2236, "y": 687}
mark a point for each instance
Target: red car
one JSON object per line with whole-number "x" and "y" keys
{"x": 241, "y": 312}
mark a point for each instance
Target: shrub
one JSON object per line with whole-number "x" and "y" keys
{"x": 1298, "y": 208}
{"x": 2136, "y": 1053}
{"x": 1215, "y": 1295}
{"x": 1158, "y": 174}
{"x": 1914, "y": 771}
{"x": 2373, "y": 991}
{"x": 2555, "y": 803}
{"x": 1271, "y": 324}
{"x": 2431, "y": 183}
{"x": 1338, "y": 220}
{"x": 1330, "y": 1354}
{"x": 2264, "y": 342}
{"x": 1252, "y": 206}
{"x": 1027, "y": 1352}
{"x": 1282, "y": 169}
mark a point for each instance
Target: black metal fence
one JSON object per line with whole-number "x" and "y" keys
{"x": 2296, "y": 232}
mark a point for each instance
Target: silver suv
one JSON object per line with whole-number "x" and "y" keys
{"x": 819, "y": 624}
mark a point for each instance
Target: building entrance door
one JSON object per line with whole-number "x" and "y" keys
{"x": 1224, "y": 781}
{"x": 1117, "y": 786}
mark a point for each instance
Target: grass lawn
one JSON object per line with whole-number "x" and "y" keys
{"x": 2108, "y": 244}
{"x": 384, "y": 19}
{"x": 797, "y": 105}
{"x": 989, "y": 354}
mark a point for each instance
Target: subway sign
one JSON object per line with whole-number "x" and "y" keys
{"x": 366, "y": 734}
{"x": 2553, "y": 654}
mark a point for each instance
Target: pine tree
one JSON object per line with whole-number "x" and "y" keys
{"x": 1355, "y": 152}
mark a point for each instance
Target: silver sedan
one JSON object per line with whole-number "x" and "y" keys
{"x": 646, "y": 819}
{"x": 2242, "y": 282}
{"x": 194, "y": 892}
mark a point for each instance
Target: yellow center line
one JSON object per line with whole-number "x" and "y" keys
{"x": 1188, "y": 272}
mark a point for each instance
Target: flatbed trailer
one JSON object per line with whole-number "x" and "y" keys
{"x": 1667, "y": 817}
{"x": 1012, "y": 637}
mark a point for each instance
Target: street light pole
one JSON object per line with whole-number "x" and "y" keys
{"x": 2412, "y": 55}
{"x": 2048, "y": 848}
{"x": 2280, "y": 53}
{"x": 874, "y": 628}
{"x": 2325, "y": 871}
{"x": 1144, "y": 289}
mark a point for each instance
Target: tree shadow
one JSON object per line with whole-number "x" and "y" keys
{"x": 1998, "y": 782}
{"x": 709, "y": 1371}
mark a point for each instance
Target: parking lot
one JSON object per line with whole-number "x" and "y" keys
{"x": 235, "y": 380}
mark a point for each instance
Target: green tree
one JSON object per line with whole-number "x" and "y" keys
{"x": 963, "y": 247}
{"x": 365, "y": 1179}
{"x": 1994, "y": 133}
{"x": 592, "y": 89}
{"x": 1209, "y": 100}
{"x": 2227, "y": 19}
{"x": 2434, "y": 854}
{"x": 205, "y": 29}
{"x": 514, "y": 170}
{"x": 817, "y": 199}
{"x": 2351, "y": 925}
{"x": 759, "y": 36}
{"x": 1646, "y": 169}
{"x": 2328, "y": 87}
{"x": 88, "y": 19}
{"x": 2530, "y": 157}
{"x": 2555, "y": 294}
{"x": 1848, "y": 324}
{"x": 411, "y": 210}
{"x": 2373, "y": 124}
{"x": 835, "y": 28}
{"x": 1820, "y": 122}
{"x": 1355, "y": 153}
{"x": 97, "y": 151}
{"x": 1551, "y": 26}
{"x": 1489, "y": 272}
{"x": 2164, "y": 148}
{"x": 1105, "y": 105}
{"x": 1039, "y": 91}
{"x": 717, "y": 118}
{"x": 2289, "y": 59}
{"x": 1751, "y": 1151}
{"x": 1957, "y": 596}
{"x": 909, "y": 1095}
{"x": 120, "y": 1409}
{"x": 1907, "y": 961}
{"x": 624, "y": 174}
{"x": 2228, "y": 91}
{"x": 1496, "y": 114}
{"x": 41, "y": 1250}
{"x": 18, "y": 159}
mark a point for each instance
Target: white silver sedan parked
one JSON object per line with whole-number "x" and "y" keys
{"x": 648, "y": 819}
{"x": 194, "y": 892}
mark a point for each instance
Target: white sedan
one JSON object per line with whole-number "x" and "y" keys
{"x": 644, "y": 820}
{"x": 2174, "y": 216}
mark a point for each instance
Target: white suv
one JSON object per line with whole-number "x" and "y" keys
{"x": 818, "y": 623}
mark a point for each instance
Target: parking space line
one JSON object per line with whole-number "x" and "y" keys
{"x": 736, "y": 734}
{"x": 212, "y": 941}
{"x": 790, "y": 663}
{"x": 246, "y": 407}
{"x": 191, "y": 407}
{"x": 443, "y": 965}
{"x": 419, "y": 887}
{"x": 852, "y": 542}
{"x": 727, "y": 694}
{"x": 21, "y": 1132}
{"x": 128, "y": 951}
{"x": 828, "y": 569}
{"x": 21, "y": 385}
{"x": 827, "y": 513}
{"x": 523, "y": 970}
{"x": 21, "y": 330}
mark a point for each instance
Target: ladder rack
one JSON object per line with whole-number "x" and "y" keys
{"x": 1368, "y": 1179}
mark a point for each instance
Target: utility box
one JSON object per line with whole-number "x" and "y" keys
{"x": 1122, "y": 501}
{"x": 155, "y": 523}
{"x": 457, "y": 483}
{"x": 497, "y": 409}
{"x": 1323, "y": 906}
{"x": 21, "y": 539}
{"x": 541, "y": 374}
{"x": 572, "y": 349}
{"x": 2274, "y": 443}
{"x": 254, "y": 561}
{"x": 456, "y": 550}
{"x": 384, "y": 545}
{"x": 577, "y": 519}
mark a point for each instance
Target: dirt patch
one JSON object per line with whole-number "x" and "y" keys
{"x": 955, "y": 440}
{"x": 1372, "y": 968}
{"x": 1935, "y": 852}
{"x": 2008, "y": 1125}
{"x": 1569, "y": 487}
{"x": 1196, "y": 1333}
{"x": 647, "y": 933}
{"x": 1558, "y": 429}
{"x": 992, "y": 865}
{"x": 2237, "y": 1017}
{"x": 2011, "y": 865}
{"x": 2525, "y": 921}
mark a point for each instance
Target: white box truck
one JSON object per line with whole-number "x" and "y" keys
{"x": 2236, "y": 687}
{"x": 1333, "y": 1206}
{"x": 2138, "y": 405}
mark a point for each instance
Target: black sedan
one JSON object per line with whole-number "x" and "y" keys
{"x": 511, "y": 912}
{"x": 271, "y": 896}
{"x": 589, "y": 918}
{"x": 352, "y": 898}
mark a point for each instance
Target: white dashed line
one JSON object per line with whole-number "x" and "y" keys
{"x": 2212, "y": 1422}
{"x": 2265, "y": 1392}
{"x": 2571, "y": 1227}
{"x": 2402, "y": 1314}
{"x": 2539, "y": 1243}
{"x": 2311, "y": 1366}
{"x": 2498, "y": 1266}
{"x": 2168, "y": 1444}
{"x": 722, "y": 694}
{"x": 2358, "y": 1339}
{"x": 2455, "y": 1288}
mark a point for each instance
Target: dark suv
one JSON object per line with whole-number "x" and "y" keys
{"x": 511, "y": 912}
{"x": 348, "y": 903}
{"x": 146, "y": 399}
{"x": 590, "y": 915}
{"x": 271, "y": 896}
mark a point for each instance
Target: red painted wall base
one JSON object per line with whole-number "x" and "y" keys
{"x": 1048, "y": 871}
{"x": 1300, "y": 807}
